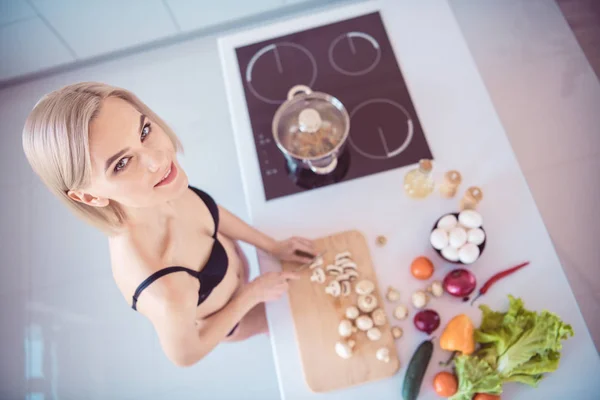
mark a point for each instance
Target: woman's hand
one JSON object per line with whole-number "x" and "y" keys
{"x": 295, "y": 249}
{"x": 270, "y": 286}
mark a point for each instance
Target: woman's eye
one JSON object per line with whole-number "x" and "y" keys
{"x": 146, "y": 131}
{"x": 122, "y": 163}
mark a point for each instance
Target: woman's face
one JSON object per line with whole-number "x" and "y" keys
{"x": 133, "y": 160}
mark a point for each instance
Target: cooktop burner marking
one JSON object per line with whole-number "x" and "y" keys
{"x": 388, "y": 153}
{"x": 350, "y": 36}
{"x": 279, "y": 65}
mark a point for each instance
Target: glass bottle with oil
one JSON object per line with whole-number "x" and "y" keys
{"x": 418, "y": 182}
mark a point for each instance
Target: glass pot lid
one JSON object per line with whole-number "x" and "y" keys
{"x": 310, "y": 125}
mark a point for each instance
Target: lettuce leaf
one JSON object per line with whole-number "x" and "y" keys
{"x": 516, "y": 346}
{"x": 524, "y": 342}
{"x": 475, "y": 376}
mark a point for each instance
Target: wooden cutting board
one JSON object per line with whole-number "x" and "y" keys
{"x": 317, "y": 316}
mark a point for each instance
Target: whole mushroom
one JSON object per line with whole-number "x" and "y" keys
{"x": 364, "y": 287}
{"x": 379, "y": 317}
{"x": 345, "y": 328}
{"x": 392, "y": 294}
{"x": 352, "y": 312}
{"x": 401, "y": 312}
{"x": 420, "y": 299}
{"x": 383, "y": 354}
{"x": 364, "y": 323}
{"x": 367, "y": 303}
{"x": 343, "y": 349}
{"x": 374, "y": 334}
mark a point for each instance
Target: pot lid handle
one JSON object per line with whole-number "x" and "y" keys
{"x": 309, "y": 120}
{"x": 298, "y": 89}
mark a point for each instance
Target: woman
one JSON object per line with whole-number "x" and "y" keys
{"x": 173, "y": 249}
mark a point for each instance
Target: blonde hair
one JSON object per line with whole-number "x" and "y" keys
{"x": 55, "y": 141}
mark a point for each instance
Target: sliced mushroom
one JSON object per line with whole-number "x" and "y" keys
{"x": 392, "y": 294}
{"x": 351, "y": 272}
{"x": 342, "y": 255}
{"x": 364, "y": 323}
{"x": 342, "y": 277}
{"x": 352, "y": 312}
{"x": 345, "y": 328}
{"x": 346, "y": 288}
{"x": 334, "y": 288}
{"x": 346, "y": 263}
{"x": 383, "y": 354}
{"x": 397, "y": 332}
{"x": 343, "y": 349}
{"x": 334, "y": 270}
{"x": 318, "y": 262}
{"x": 420, "y": 299}
{"x": 364, "y": 287}
{"x": 401, "y": 312}
{"x": 367, "y": 303}
{"x": 318, "y": 275}
{"x": 379, "y": 317}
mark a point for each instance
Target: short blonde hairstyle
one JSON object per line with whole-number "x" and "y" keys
{"x": 56, "y": 144}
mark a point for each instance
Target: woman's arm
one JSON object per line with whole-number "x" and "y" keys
{"x": 184, "y": 343}
{"x": 236, "y": 229}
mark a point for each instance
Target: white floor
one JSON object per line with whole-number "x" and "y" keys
{"x": 64, "y": 322}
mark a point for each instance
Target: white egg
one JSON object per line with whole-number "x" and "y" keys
{"x": 447, "y": 222}
{"x": 450, "y": 253}
{"x": 470, "y": 218}
{"x": 468, "y": 254}
{"x": 439, "y": 239}
{"x": 476, "y": 236}
{"x": 457, "y": 237}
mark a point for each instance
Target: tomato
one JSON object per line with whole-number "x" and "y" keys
{"x": 421, "y": 268}
{"x": 445, "y": 384}
{"x": 485, "y": 396}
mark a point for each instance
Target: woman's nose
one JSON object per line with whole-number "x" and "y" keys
{"x": 154, "y": 160}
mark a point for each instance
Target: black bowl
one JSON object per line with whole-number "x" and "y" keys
{"x": 481, "y": 246}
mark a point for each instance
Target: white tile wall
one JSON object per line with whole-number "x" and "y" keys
{"x": 204, "y": 13}
{"x": 27, "y": 46}
{"x": 94, "y": 27}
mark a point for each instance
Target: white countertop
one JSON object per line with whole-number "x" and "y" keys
{"x": 464, "y": 133}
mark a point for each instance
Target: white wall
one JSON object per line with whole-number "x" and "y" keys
{"x": 56, "y": 287}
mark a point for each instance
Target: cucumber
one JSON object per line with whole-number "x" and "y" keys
{"x": 416, "y": 370}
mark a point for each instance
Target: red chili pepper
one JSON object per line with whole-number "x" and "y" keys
{"x": 486, "y": 286}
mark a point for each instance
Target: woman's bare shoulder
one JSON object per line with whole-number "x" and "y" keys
{"x": 132, "y": 263}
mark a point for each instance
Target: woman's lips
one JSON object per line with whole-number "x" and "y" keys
{"x": 169, "y": 176}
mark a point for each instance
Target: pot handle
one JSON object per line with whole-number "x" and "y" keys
{"x": 298, "y": 89}
{"x": 324, "y": 170}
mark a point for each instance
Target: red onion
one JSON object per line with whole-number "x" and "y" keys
{"x": 459, "y": 283}
{"x": 427, "y": 321}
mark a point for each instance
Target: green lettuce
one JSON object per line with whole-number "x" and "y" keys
{"x": 475, "y": 376}
{"x": 516, "y": 346}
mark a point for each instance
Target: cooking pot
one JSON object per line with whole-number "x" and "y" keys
{"x": 311, "y": 129}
